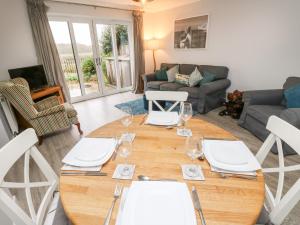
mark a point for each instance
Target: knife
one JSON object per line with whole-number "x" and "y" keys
{"x": 114, "y": 156}
{"x": 197, "y": 205}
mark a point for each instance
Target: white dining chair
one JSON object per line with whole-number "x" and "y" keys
{"x": 50, "y": 211}
{"x": 178, "y": 97}
{"x": 278, "y": 207}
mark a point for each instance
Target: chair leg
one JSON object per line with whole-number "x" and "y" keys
{"x": 40, "y": 140}
{"x": 79, "y": 129}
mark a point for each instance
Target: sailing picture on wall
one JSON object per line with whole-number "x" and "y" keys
{"x": 191, "y": 32}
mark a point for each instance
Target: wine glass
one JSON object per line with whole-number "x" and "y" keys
{"x": 126, "y": 121}
{"x": 193, "y": 146}
{"x": 125, "y": 150}
{"x": 186, "y": 113}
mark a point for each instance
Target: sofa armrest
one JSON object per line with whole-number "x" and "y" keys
{"x": 263, "y": 97}
{"x": 149, "y": 77}
{"x": 291, "y": 116}
{"x": 213, "y": 87}
{"x": 53, "y": 110}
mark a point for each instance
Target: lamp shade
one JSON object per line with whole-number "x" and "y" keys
{"x": 152, "y": 44}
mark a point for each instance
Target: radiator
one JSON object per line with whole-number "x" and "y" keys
{"x": 9, "y": 116}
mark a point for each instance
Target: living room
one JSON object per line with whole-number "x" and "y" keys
{"x": 99, "y": 69}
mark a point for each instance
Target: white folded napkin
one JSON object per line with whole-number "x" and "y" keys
{"x": 117, "y": 174}
{"x": 162, "y": 118}
{"x": 185, "y": 168}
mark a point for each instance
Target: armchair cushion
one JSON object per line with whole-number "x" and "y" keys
{"x": 52, "y": 110}
{"x": 46, "y": 103}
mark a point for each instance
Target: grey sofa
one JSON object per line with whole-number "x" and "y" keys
{"x": 260, "y": 105}
{"x": 203, "y": 98}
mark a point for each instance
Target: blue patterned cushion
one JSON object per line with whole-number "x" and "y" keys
{"x": 292, "y": 96}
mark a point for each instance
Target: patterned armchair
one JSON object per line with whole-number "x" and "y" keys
{"x": 46, "y": 116}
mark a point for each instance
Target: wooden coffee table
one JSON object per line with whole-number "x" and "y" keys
{"x": 158, "y": 153}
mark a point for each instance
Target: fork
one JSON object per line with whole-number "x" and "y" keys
{"x": 117, "y": 194}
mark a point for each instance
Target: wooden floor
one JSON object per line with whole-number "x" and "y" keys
{"x": 97, "y": 112}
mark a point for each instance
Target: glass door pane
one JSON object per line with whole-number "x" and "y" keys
{"x": 123, "y": 51}
{"x": 82, "y": 35}
{"x": 61, "y": 34}
{"x": 107, "y": 56}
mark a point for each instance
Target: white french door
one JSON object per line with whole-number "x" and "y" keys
{"x": 96, "y": 56}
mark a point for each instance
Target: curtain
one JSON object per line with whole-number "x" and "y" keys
{"x": 45, "y": 46}
{"x": 139, "y": 58}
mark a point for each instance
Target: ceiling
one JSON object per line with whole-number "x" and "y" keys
{"x": 155, "y": 6}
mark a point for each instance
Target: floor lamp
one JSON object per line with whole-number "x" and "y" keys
{"x": 153, "y": 45}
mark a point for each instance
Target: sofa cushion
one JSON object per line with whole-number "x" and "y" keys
{"x": 292, "y": 96}
{"x": 263, "y": 112}
{"x": 161, "y": 75}
{"x": 170, "y": 86}
{"x": 186, "y": 68}
{"x": 155, "y": 84}
{"x": 193, "y": 91}
{"x": 221, "y": 72}
{"x": 290, "y": 82}
{"x": 195, "y": 78}
{"x": 207, "y": 77}
{"x": 171, "y": 73}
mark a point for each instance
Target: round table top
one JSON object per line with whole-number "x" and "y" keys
{"x": 158, "y": 153}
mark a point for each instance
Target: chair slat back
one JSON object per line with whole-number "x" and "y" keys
{"x": 173, "y": 96}
{"x": 24, "y": 144}
{"x": 280, "y": 206}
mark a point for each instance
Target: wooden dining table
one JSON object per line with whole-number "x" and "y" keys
{"x": 159, "y": 153}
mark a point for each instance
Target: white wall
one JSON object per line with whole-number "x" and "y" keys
{"x": 16, "y": 42}
{"x": 258, "y": 40}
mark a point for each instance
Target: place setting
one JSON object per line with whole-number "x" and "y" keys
{"x": 219, "y": 154}
{"x": 177, "y": 118}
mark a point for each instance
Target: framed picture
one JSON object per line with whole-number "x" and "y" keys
{"x": 191, "y": 33}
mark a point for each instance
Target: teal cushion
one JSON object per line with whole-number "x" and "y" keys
{"x": 292, "y": 96}
{"x": 207, "y": 77}
{"x": 161, "y": 75}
